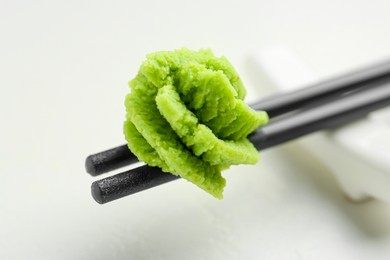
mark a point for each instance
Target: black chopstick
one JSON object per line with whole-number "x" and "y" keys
{"x": 276, "y": 105}
{"x": 323, "y": 91}
{"x": 342, "y": 110}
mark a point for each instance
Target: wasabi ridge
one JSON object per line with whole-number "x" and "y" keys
{"x": 185, "y": 114}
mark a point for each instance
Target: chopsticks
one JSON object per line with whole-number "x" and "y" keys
{"x": 322, "y": 106}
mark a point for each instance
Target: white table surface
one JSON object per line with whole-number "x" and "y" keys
{"x": 64, "y": 68}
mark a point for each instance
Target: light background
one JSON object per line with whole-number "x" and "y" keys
{"x": 64, "y": 68}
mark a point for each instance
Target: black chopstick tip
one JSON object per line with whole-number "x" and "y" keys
{"x": 97, "y": 193}
{"x": 90, "y": 166}
{"x": 109, "y": 160}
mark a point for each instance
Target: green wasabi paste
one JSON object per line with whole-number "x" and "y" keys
{"x": 186, "y": 115}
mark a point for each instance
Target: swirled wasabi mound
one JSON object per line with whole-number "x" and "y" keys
{"x": 186, "y": 115}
